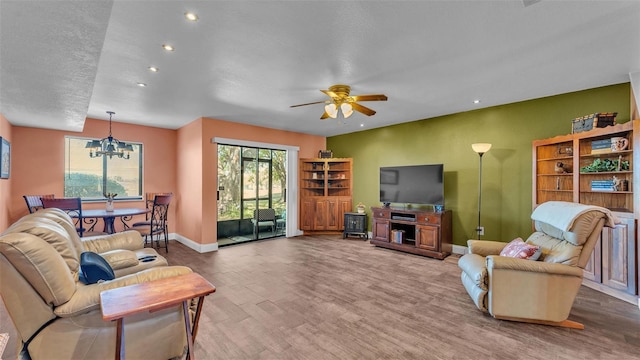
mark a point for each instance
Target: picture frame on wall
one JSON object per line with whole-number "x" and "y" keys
{"x": 5, "y": 158}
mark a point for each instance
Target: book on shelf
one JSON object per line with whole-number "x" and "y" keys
{"x": 602, "y": 189}
{"x": 602, "y": 185}
{"x": 601, "y": 146}
{"x": 600, "y": 151}
{"x": 397, "y": 236}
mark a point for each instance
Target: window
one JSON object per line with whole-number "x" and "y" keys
{"x": 250, "y": 178}
{"x": 89, "y": 178}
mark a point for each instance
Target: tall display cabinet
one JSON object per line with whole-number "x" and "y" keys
{"x": 325, "y": 194}
{"x": 598, "y": 167}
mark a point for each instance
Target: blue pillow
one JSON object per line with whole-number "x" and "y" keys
{"x": 94, "y": 268}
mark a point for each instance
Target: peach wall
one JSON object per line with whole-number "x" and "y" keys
{"x": 189, "y": 181}
{"x": 39, "y": 162}
{"x": 201, "y": 217}
{"x": 309, "y": 144}
{"x": 190, "y": 173}
{"x": 5, "y": 184}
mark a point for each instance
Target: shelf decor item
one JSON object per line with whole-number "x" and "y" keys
{"x": 325, "y": 154}
{"x": 619, "y": 143}
{"x": 592, "y": 121}
{"x": 361, "y": 208}
{"x": 603, "y": 165}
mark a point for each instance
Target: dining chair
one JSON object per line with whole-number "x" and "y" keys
{"x": 73, "y": 207}
{"x": 34, "y": 202}
{"x": 148, "y": 203}
{"x": 157, "y": 222}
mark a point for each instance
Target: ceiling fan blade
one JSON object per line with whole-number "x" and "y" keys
{"x": 363, "y": 109}
{"x": 330, "y": 93}
{"x": 312, "y": 103}
{"x": 376, "y": 97}
{"x": 324, "y": 116}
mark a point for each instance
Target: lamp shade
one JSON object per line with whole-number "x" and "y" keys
{"x": 481, "y": 148}
{"x": 347, "y": 110}
{"x": 331, "y": 110}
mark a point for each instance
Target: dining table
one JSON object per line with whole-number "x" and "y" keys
{"x": 109, "y": 217}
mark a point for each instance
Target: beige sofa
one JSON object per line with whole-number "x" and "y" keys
{"x": 539, "y": 291}
{"x": 57, "y": 316}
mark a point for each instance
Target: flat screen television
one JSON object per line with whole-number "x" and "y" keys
{"x": 415, "y": 184}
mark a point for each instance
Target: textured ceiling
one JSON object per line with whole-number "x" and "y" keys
{"x": 248, "y": 61}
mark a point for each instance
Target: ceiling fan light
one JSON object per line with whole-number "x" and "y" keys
{"x": 347, "y": 110}
{"x": 332, "y": 110}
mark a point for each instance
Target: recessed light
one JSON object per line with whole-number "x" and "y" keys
{"x": 191, "y": 16}
{"x": 168, "y": 47}
{"x": 153, "y": 69}
{"x": 361, "y": 125}
{"x": 476, "y": 101}
{"x": 142, "y": 84}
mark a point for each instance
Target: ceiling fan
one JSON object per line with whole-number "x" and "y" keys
{"x": 340, "y": 99}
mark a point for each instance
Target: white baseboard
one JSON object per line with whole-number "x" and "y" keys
{"x": 459, "y": 249}
{"x": 201, "y": 248}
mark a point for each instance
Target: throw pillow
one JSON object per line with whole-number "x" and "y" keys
{"x": 521, "y": 250}
{"x": 94, "y": 268}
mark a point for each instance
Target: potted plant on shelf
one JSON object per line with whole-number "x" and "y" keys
{"x": 361, "y": 207}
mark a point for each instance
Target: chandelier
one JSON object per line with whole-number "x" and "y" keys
{"x": 109, "y": 146}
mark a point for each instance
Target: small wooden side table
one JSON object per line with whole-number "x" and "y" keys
{"x": 156, "y": 295}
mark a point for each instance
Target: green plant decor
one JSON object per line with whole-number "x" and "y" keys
{"x": 599, "y": 165}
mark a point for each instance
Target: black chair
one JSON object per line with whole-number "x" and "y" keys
{"x": 34, "y": 202}
{"x": 157, "y": 222}
{"x": 73, "y": 207}
{"x": 148, "y": 203}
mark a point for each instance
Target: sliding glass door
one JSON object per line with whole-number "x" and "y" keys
{"x": 251, "y": 193}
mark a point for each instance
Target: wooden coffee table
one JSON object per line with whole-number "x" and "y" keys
{"x": 156, "y": 295}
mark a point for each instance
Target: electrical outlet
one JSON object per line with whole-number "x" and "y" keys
{"x": 480, "y": 230}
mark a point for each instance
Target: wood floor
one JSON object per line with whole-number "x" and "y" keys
{"x": 326, "y": 297}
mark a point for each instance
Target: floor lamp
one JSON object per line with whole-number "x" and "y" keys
{"x": 480, "y": 148}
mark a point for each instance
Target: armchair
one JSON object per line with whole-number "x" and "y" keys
{"x": 539, "y": 291}
{"x": 264, "y": 217}
{"x": 58, "y": 316}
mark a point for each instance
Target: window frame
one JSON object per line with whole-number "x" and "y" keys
{"x": 104, "y": 159}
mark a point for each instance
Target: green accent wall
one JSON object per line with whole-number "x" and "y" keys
{"x": 506, "y": 169}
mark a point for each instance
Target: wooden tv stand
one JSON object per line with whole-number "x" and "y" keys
{"x": 426, "y": 233}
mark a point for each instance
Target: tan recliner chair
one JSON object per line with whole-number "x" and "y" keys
{"x": 57, "y": 316}
{"x": 539, "y": 291}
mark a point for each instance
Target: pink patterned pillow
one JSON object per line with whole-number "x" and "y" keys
{"x": 521, "y": 250}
